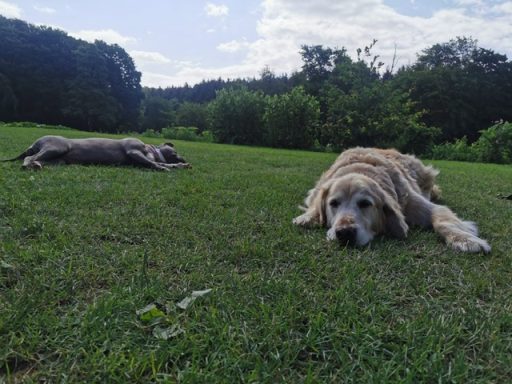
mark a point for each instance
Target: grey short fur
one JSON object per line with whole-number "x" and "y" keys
{"x": 129, "y": 151}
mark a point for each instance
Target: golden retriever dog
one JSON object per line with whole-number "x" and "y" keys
{"x": 369, "y": 192}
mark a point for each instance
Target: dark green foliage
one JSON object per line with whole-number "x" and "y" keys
{"x": 236, "y": 116}
{"x": 454, "y": 90}
{"x": 187, "y": 133}
{"x": 360, "y": 109}
{"x": 462, "y": 88}
{"x": 493, "y": 146}
{"x": 89, "y": 105}
{"x": 206, "y": 90}
{"x": 192, "y": 115}
{"x": 50, "y": 77}
{"x": 291, "y": 120}
{"x": 377, "y": 115}
{"x": 157, "y": 113}
{"x": 8, "y": 100}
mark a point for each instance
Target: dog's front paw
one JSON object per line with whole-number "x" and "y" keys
{"x": 471, "y": 244}
{"x": 331, "y": 234}
{"x": 303, "y": 220}
{"x": 33, "y": 165}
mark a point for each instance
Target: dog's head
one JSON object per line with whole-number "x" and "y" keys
{"x": 356, "y": 209}
{"x": 169, "y": 153}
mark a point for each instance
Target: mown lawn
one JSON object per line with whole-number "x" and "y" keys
{"x": 83, "y": 248}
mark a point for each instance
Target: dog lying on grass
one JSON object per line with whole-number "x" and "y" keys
{"x": 369, "y": 191}
{"x": 59, "y": 150}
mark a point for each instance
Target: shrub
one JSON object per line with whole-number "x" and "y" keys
{"x": 151, "y": 133}
{"x": 375, "y": 115}
{"x": 291, "y": 119}
{"x": 187, "y": 133}
{"x": 493, "y": 146}
{"x": 192, "y": 115}
{"x": 236, "y": 116}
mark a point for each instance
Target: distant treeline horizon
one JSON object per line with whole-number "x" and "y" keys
{"x": 454, "y": 90}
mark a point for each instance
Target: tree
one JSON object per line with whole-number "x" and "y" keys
{"x": 361, "y": 109}
{"x": 236, "y": 116}
{"x": 192, "y": 115}
{"x": 89, "y": 104}
{"x": 157, "y": 113}
{"x": 8, "y": 101}
{"x": 318, "y": 63}
{"x": 462, "y": 88}
{"x": 291, "y": 119}
{"x": 57, "y": 79}
{"x": 124, "y": 81}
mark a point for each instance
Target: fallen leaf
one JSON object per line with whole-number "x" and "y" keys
{"x": 149, "y": 313}
{"x": 5, "y": 265}
{"x": 167, "y": 333}
{"x": 185, "y": 303}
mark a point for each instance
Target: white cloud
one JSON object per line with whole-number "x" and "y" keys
{"x": 9, "y": 10}
{"x": 505, "y": 7}
{"x": 107, "y": 35}
{"x": 46, "y": 10}
{"x": 216, "y": 10}
{"x": 149, "y": 57}
{"x": 285, "y": 25}
{"x": 233, "y": 46}
{"x": 469, "y": 2}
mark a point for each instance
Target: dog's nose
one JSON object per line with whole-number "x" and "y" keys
{"x": 347, "y": 235}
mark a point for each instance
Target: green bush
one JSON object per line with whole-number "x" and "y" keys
{"x": 375, "y": 115}
{"x": 236, "y": 116}
{"x": 291, "y": 119}
{"x": 192, "y": 115}
{"x": 28, "y": 124}
{"x": 187, "y": 133}
{"x": 493, "y": 146}
{"x": 151, "y": 133}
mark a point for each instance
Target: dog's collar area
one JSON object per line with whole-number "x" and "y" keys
{"x": 157, "y": 153}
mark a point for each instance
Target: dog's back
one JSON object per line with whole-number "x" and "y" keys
{"x": 420, "y": 176}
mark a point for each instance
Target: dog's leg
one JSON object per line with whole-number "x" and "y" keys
{"x": 139, "y": 158}
{"x": 45, "y": 155}
{"x": 315, "y": 207}
{"x": 459, "y": 235}
{"x": 176, "y": 165}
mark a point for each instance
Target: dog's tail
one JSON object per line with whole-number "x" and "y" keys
{"x": 28, "y": 152}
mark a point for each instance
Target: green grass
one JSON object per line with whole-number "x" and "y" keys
{"x": 84, "y": 247}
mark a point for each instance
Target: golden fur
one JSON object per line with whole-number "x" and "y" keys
{"x": 370, "y": 191}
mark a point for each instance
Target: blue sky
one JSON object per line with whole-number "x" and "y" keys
{"x": 173, "y": 42}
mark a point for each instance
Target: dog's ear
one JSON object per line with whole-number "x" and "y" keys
{"x": 394, "y": 221}
{"x": 317, "y": 207}
{"x": 169, "y": 144}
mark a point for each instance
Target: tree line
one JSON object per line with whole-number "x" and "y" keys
{"x": 454, "y": 90}
{"x": 49, "y": 77}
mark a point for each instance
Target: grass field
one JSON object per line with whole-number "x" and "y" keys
{"x": 83, "y": 248}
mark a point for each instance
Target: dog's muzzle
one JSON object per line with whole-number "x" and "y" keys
{"x": 347, "y": 235}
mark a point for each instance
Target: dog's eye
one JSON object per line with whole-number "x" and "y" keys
{"x": 364, "y": 203}
{"x": 334, "y": 203}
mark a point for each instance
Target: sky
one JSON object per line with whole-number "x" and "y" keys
{"x": 174, "y": 42}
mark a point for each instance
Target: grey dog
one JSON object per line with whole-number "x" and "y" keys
{"x": 129, "y": 151}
